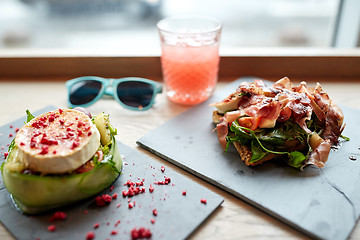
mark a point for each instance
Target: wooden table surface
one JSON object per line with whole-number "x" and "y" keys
{"x": 235, "y": 219}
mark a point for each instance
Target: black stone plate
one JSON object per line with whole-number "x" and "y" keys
{"x": 178, "y": 215}
{"x": 322, "y": 203}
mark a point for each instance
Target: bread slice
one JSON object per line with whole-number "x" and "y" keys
{"x": 246, "y": 154}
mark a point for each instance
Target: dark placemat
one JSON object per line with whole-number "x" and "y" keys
{"x": 322, "y": 203}
{"x": 177, "y": 217}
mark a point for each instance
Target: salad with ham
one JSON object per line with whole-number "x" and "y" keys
{"x": 298, "y": 124}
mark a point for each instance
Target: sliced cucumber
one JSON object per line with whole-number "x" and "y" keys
{"x": 103, "y": 125}
{"x": 34, "y": 194}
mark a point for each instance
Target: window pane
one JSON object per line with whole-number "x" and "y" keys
{"x": 130, "y": 25}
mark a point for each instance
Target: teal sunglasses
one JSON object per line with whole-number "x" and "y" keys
{"x": 131, "y": 92}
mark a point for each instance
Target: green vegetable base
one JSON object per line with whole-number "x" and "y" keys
{"x": 34, "y": 194}
{"x": 286, "y": 140}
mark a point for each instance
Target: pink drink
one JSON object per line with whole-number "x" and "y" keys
{"x": 190, "y": 73}
{"x": 190, "y": 57}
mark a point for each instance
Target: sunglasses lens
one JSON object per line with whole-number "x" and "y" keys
{"x": 84, "y": 92}
{"x": 135, "y": 94}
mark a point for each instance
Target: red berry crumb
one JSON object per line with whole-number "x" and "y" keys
{"x": 16, "y": 130}
{"x": 129, "y": 183}
{"x": 131, "y": 192}
{"x": 140, "y": 233}
{"x": 90, "y": 236}
{"x": 51, "y": 118}
{"x": 96, "y": 225}
{"x": 80, "y": 124}
{"x": 203, "y": 200}
{"x": 103, "y": 200}
{"x": 184, "y": 193}
{"x": 155, "y": 212}
{"x": 112, "y": 188}
{"x": 6, "y": 154}
{"x": 51, "y": 228}
{"x": 165, "y": 182}
{"x": 75, "y": 145}
{"x": 44, "y": 150}
{"x": 131, "y": 205}
{"x": 58, "y": 216}
{"x": 162, "y": 168}
{"x": 152, "y": 221}
{"x": 99, "y": 201}
{"x": 114, "y": 196}
{"x": 114, "y": 232}
{"x": 151, "y": 189}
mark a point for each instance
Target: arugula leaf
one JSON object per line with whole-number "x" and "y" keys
{"x": 29, "y": 116}
{"x": 228, "y": 142}
{"x": 296, "y": 159}
{"x": 113, "y": 131}
{"x": 109, "y": 158}
{"x": 240, "y": 131}
{"x": 345, "y": 138}
{"x": 12, "y": 145}
{"x": 252, "y": 133}
{"x": 106, "y": 149}
{"x": 264, "y": 141}
{"x": 257, "y": 152}
{"x": 274, "y": 136}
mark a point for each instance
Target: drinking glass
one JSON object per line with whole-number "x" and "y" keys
{"x": 190, "y": 57}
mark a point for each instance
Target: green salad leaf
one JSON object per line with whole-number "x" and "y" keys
{"x": 272, "y": 141}
{"x": 345, "y": 138}
{"x": 11, "y": 145}
{"x": 296, "y": 159}
{"x": 29, "y": 116}
{"x": 113, "y": 131}
{"x": 257, "y": 152}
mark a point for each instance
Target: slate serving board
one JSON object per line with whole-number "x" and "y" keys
{"x": 322, "y": 203}
{"x": 178, "y": 215}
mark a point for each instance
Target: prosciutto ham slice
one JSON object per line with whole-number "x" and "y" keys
{"x": 222, "y": 131}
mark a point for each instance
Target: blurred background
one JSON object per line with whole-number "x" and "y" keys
{"x": 130, "y": 25}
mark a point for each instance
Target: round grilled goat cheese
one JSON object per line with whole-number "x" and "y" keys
{"x": 57, "y": 142}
